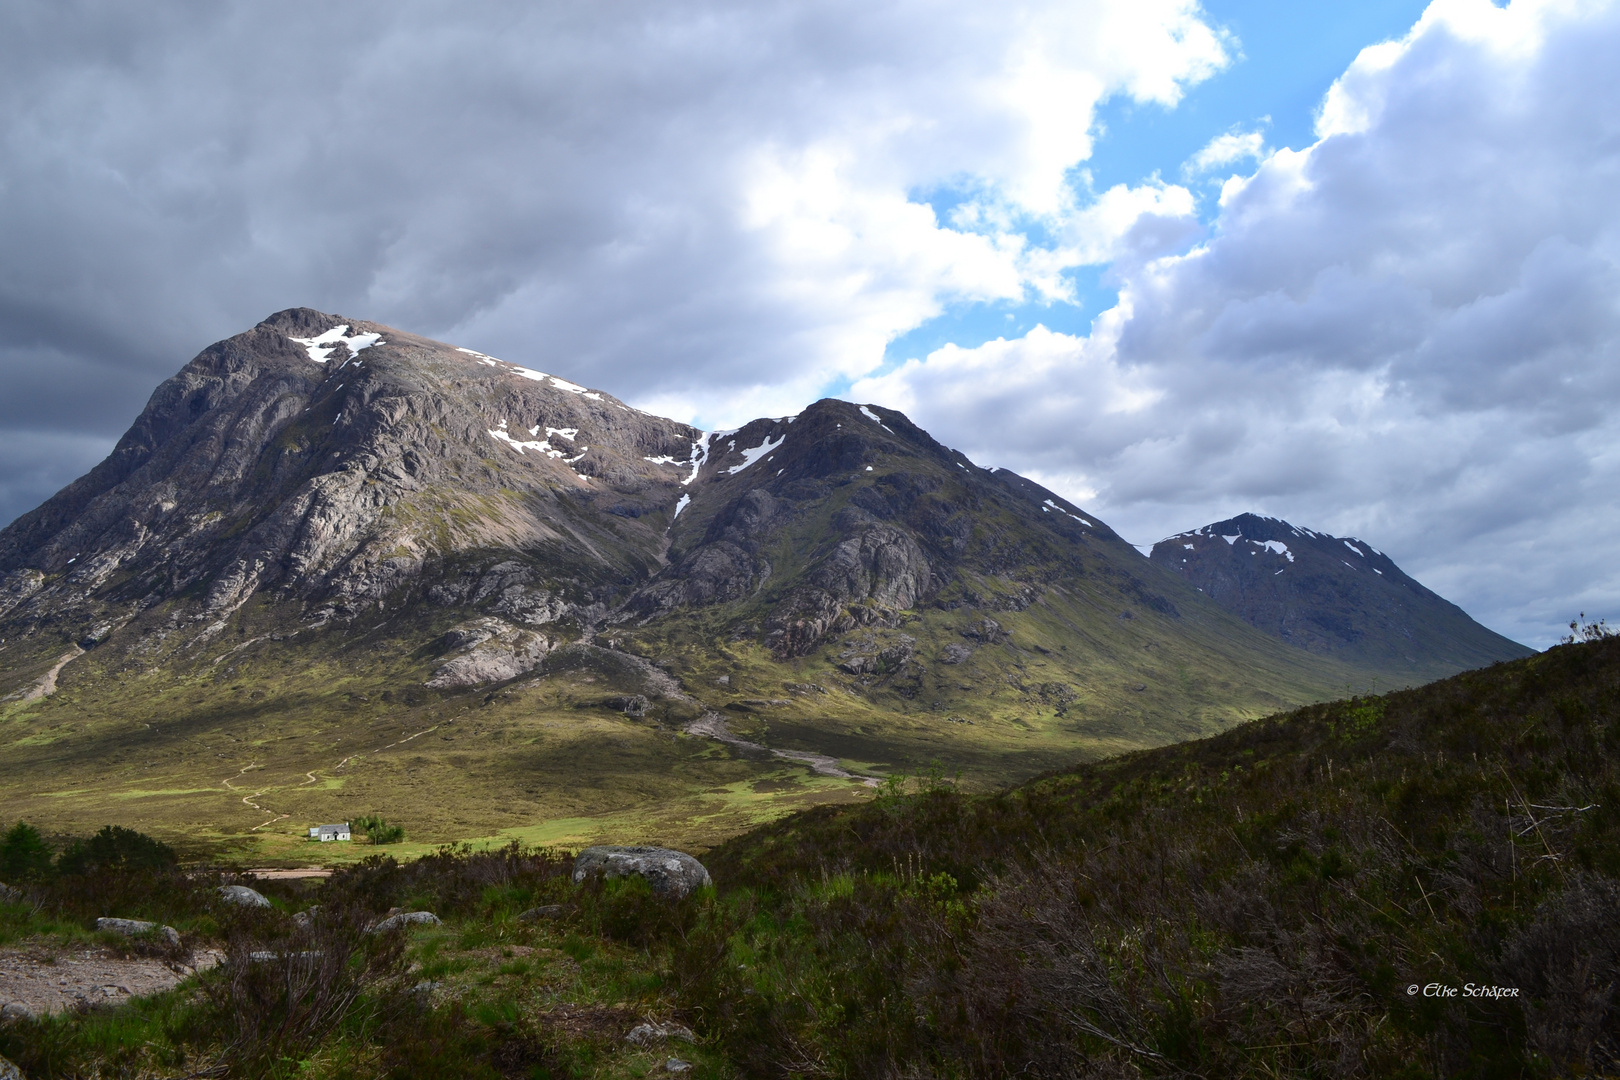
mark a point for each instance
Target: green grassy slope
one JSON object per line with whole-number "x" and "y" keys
{"x": 1272, "y": 901}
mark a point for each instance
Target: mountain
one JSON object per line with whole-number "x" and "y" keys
{"x": 335, "y": 568}
{"x": 1331, "y": 595}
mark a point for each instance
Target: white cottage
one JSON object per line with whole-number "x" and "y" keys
{"x": 325, "y": 833}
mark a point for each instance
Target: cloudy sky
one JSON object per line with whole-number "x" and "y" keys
{"x": 1355, "y": 265}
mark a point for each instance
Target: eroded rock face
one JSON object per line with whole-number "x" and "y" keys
{"x": 985, "y": 631}
{"x": 864, "y": 582}
{"x": 621, "y": 669}
{"x": 670, "y": 873}
{"x": 488, "y": 650}
{"x": 868, "y": 657}
{"x": 18, "y": 586}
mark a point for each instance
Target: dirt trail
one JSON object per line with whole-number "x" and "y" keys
{"x": 44, "y": 980}
{"x": 711, "y": 725}
{"x": 249, "y": 798}
{"x": 46, "y": 686}
{"x": 403, "y": 741}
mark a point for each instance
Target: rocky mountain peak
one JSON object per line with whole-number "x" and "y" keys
{"x": 1328, "y": 594}
{"x": 333, "y": 459}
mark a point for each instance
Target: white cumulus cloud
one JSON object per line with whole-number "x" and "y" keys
{"x": 1227, "y": 149}
{"x": 1409, "y": 330}
{"x": 715, "y": 208}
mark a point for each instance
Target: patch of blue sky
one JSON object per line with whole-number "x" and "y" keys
{"x": 1288, "y": 52}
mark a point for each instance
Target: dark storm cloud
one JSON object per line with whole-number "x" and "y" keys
{"x": 687, "y": 203}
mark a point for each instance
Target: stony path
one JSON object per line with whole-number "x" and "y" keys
{"x": 711, "y": 725}
{"x": 45, "y": 685}
{"x": 46, "y": 980}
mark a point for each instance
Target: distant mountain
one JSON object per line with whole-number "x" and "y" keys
{"x": 324, "y": 539}
{"x": 1332, "y": 595}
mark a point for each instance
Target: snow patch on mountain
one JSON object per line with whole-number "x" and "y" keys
{"x": 530, "y": 374}
{"x": 753, "y": 455}
{"x": 320, "y": 348}
{"x": 872, "y": 416}
{"x": 1050, "y": 505}
{"x": 542, "y": 445}
{"x": 1276, "y": 547}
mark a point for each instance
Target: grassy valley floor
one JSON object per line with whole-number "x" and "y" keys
{"x": 237, "y": 744}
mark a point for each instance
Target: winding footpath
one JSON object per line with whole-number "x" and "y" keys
{"x": 711, "y": 725}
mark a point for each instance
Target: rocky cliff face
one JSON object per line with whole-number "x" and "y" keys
{"x": 1332, "y": 595}
{"x": 342, "y": 465}
{"x": 846, "y": 516}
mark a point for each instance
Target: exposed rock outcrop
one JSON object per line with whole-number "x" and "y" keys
{"x": 405, "y": 919}
{"x": 488, "y": 650}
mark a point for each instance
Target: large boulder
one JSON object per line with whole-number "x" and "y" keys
{"x": 669, "y": 872}
{"x": 242, "y": 896}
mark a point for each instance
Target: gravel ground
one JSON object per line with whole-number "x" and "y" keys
{"x": 44, "y": 980}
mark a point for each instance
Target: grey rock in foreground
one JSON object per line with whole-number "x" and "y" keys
{"x": 669, "y": 872}
{"x": 136, "y": 927}
{"x": 9, "y": 1070}
{"x": 242, "y": 896}
{"x": 404, "y": 919}
{"x": 546, "y": 911}
{"x": 651, "y": 1034}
